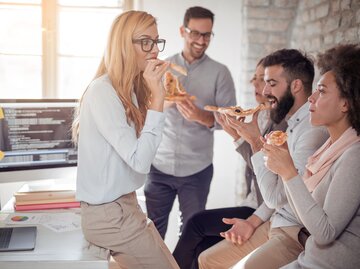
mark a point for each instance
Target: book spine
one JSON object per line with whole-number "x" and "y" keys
{"x": 49, "y": 201}
{"x": 46, "y": 206}
{"x": 43, "y": 195}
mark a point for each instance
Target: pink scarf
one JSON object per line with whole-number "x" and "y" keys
{"x": 321, "y": 161}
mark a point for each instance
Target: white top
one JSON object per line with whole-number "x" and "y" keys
{"x": 303, "y": 141}
{"x": 112, "y": 161}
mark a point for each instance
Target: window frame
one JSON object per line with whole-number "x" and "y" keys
{"x": 50, "y": 35}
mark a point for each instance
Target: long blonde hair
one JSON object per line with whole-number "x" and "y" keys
{"x": 119, "y": 63}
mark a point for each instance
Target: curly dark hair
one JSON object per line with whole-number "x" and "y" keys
{"x": 197, "y": 13}
{"x": 344, "y": 61}
{"x": 297, "y": 65}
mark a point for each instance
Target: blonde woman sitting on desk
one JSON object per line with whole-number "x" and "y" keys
{"x": 119, "y": 130}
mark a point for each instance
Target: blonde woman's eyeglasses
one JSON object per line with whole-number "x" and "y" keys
{"x": 147, "y": 44}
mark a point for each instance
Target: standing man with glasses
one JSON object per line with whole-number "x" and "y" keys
{"x": 183, "y": 163}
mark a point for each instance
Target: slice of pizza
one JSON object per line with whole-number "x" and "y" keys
{"x": 178, "y": 69}
{"x": 174, "y": 90}
{"x": 229, "y": 110}
{"x": 236, "y": 111}
{"x": 251, "y": 111}
{"x": 276, "y": 138}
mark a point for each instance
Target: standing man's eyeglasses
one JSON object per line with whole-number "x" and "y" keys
{"x": 196, "y": 34}
{"x": 147, "y": 44}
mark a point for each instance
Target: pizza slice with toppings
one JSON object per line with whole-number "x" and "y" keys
{"x": 236, "y": 111}
{"x": 174, "y": 90}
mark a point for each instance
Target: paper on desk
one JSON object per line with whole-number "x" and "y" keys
{"x": 23, "y": 219}
{"x": 3, "y": 217}
{"x": 57, "y": 222}
{"x": 61, "y": 222}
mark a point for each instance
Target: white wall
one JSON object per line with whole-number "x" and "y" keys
{"x": 225, "y": 48}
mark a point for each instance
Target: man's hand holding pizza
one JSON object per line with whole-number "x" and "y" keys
{"x": 191, "y": 112}
{"x": 248, "y": 130}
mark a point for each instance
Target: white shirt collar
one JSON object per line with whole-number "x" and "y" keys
{"x": 299, "y": 115}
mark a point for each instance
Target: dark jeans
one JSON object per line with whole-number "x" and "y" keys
{"x": 203, "y": 231}
{"x": 161, "y": 190}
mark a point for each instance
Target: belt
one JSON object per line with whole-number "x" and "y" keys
{"x": 303, "y": 236}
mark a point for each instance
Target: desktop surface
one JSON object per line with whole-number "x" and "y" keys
{"x": 56, "y": 250}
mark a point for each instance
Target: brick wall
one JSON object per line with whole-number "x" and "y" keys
{"x": 309, "y": 25}
{"x": 266, "y": 26}
{"x": 321, "y": 24}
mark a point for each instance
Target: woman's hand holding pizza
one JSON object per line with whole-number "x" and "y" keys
{"x": 153, "y": 73}
{"x": 221, "y": 119}
{"x": 248, "y": 130}
{"x": 278, "y": 160}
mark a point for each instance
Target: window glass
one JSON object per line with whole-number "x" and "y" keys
{"x": 83, "y": 32}
{"x": 91, "y": 3}
{"x": 20, "y": 76}
{"x": 75, "y": 75}
{"x": 20, "y": 51}
{"x": 82, "y": 39}
{"x": 58, "y": 63}
{"x": 19, "y": 26}
{"x": 22, "y": 1}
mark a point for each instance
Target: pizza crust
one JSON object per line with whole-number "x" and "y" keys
{"x": 180, "y": 98}
{"x": 178, "y": 69}
{"x": 230, "y": 110}
{"x": 236, "y": 111}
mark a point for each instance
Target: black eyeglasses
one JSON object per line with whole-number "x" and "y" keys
{"x": 147, "y": 44}
{"x": 196, "y": 34}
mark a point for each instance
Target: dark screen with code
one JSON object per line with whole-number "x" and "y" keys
{"x": 36, "y": 134}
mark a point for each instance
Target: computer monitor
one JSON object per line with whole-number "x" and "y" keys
{"x": 35, "y": 139}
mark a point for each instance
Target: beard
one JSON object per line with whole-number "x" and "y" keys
{"x": 283, "y": 107}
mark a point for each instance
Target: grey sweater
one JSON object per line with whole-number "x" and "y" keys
{"x": 331, "y": 214}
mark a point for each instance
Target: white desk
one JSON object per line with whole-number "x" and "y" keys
{"x": 67, "y": 250}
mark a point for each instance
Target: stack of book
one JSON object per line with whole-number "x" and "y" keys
{"x": 46, "y": 197}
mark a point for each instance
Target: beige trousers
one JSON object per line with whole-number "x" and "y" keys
{"x": 124, "y": 229}
{"x": 266, "y": 249}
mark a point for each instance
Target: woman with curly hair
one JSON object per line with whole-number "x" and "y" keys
{"x": 327, "y": 199}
